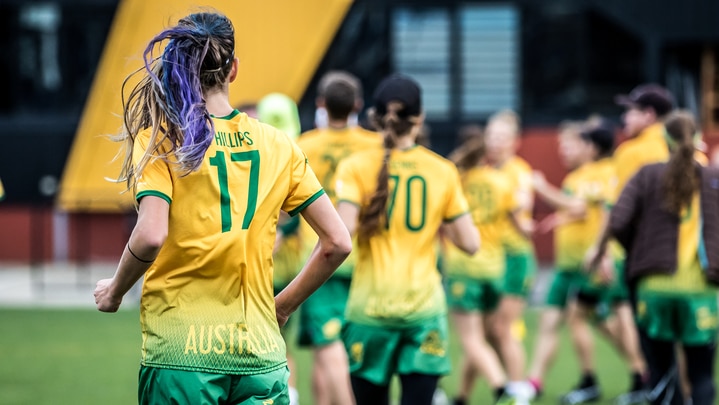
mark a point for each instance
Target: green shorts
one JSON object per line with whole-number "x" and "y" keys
{"x": 171, "y": 386}
{"x": 619, "y": 292}
{"x": 377, "y": 353}
{"x": 565, "y": 285}
{"x": 689, "y": 319}
{"x": 468, "y": 294}
{"x": 322, "y": 316}
{"x": 519, "y": 273}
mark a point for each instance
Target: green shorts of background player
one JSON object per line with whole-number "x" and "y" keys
{"x": 418, "y": 354}
{"x": 321, "y": 323}
{"x": 687, "y": 319}
{"x": 519, "y": 275}
{"x": 322, "y": 315}
{"x": 171, "y": 386}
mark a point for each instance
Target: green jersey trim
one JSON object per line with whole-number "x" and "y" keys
{"x": 306, "y": 203}
{"x": 229, "y": 116}
{"x": 153, "y": 193}
{"x": 450, "y": 219}
{"x": 249, "y": 371}
{"x": 349, "y": 202}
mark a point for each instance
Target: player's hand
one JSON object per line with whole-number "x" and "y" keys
{"x": 281, "y": 317}
{"x": 605, "y": 270}
{"x": 106, "y": 302}
{"x": 592, "y": 259}
{"x": 538, "y": 180}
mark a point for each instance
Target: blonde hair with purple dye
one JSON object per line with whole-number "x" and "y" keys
{"x": 169, "y": 98}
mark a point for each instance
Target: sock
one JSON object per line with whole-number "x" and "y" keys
{"x": 459, "y": 401}
{"x": 637, "y": 381}
{"x": 536, "y": 383}
{"x": 294, "y": 396}
{"x": 588, "y": 380}
{"x": 499, "y": 392}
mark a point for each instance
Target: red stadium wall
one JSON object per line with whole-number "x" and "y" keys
{"x": 26, "y": 232}
{"x": 26, "y": 235}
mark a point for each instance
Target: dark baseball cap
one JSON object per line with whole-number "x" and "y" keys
{"x": 648, "y": 95}
{"x": 601, "y": 134}
{"x": 400, "y": 88}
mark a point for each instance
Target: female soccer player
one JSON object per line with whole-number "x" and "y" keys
{"x": 210, "y": 183}
{"x": 502, "y": 137}
{"x": 474, "y": 282}
{"x": 396, "y": 199}
{"x": 666, "y": 219}
{"x": 322, "y": 315}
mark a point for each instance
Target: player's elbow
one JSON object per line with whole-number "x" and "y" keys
{"x": 150, "y": 240}
{"x": 338, "y": 245}
{"x": 471, "y": 244}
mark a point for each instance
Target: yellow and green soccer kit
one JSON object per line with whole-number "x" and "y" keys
{"x": 397, "y": 314}
{"x": 325, "y": 149}
{"x": 322, "y": 315}
{"x": 595, "y": 184}
{"x": 519, "y": 251}
{"x": 681, "y": 306}
{"x": 207, "y": 302}
{"x": 2, "y": 191}
{"x": 475, "y": 282}
{"x": 396, "y": 281}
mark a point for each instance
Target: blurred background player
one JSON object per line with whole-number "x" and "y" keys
{"x": 646, "y": 107}
{"x": 208, "y": 268}
{"x": 395, "y": 199}
{"x": 586, "y": 151}
{"x": 322, "y": 315}
{"x": 502, "y": 139}
{"x": 322, "y": 118}
{"x": 280, "y": 111}
{"x": 474, "y": 283}
{"x": 2, "y": 191}
{"x": 666, "y": 219}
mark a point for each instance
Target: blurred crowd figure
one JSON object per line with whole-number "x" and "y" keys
{"x": 487, "y": 291}
{"x": 636, "y": 231}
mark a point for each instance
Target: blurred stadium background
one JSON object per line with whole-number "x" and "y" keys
{"x": 553, "y": 60}
{"x": 63, "y": 61}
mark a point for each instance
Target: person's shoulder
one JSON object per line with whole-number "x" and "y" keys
{"x": 366, "y": 134}
{"x": 434, "y": 161}
{"x": 309, "y": 137}
{"x": 520, "y": 164}
{"x": 364, "y": 158}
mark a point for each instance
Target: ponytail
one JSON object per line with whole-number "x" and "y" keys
{"x": 471, "y": 151}
{"x": 374, "y": 216}
{"x": 681, "y": 179}
{"x": 169, "y": 99}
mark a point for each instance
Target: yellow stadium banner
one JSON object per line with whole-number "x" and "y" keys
{"x": 279, "y": 43}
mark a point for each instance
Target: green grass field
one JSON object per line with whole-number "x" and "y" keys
{"x": 80, "y": 356}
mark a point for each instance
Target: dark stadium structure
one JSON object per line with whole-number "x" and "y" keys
{"x": 550, "y": 60}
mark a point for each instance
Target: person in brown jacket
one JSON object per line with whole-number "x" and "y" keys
{"x": 667, "y": 219}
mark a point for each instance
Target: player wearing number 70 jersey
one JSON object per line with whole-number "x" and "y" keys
{"x": 396, "y": 199}
{"x": 210, "y": 183}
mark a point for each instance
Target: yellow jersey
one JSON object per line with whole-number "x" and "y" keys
{"x": 646, "y": 148}
{"x": 491, "y": 200}
{"x": 595, "y": 183}
{"x": 207, "y": 302}
{"x": 2, "y": 191}
{"x": 689, "y": 276}
{"x": 396, "y": 282}
{"x": 519, "y": 174}
{"x": 325, "y": 149}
